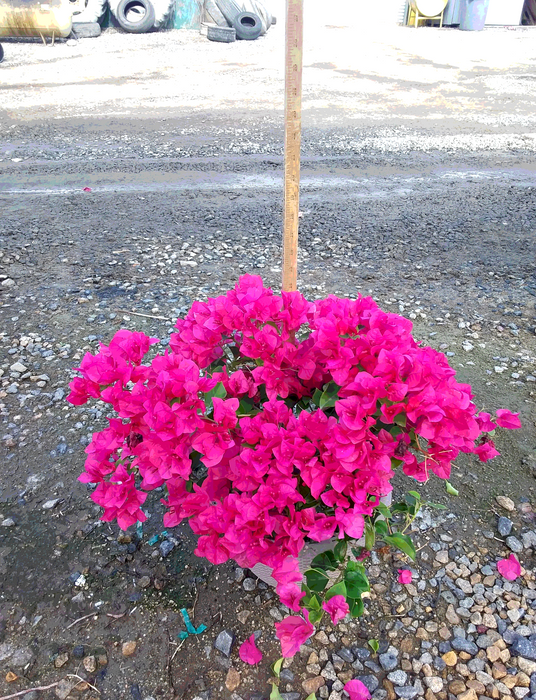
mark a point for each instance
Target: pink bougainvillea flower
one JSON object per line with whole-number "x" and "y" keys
{"x": 507, "y": 419}
{"x": 509, "y": 568}
{"x": 404, "y": 576}
{"x": 486, "y": 451}
{"x": 336, "y": 607}
{"x": 290, "y": 595}
{"x": 485, "y": 423}
{"x": 357, "y": 690}
{"x": 249, "y": 653}
{"x": 293, "y": 632}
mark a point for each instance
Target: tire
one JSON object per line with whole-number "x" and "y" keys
{"x": 213, "y": 14}
{"x": 260, "y": 9}
{"x": 86, "y": 30}
{"x": 95, "y": 11}
{"x": 164, "y": 11}
{"x": 135, "y": 16}
{"x": 1, "y": 53}
{"x": 248, "y": 26}
{"x": 223, "y": 34}
{"x": 229, "y": 9}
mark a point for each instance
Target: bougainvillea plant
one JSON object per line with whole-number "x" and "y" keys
{"x": 273, "y": 421}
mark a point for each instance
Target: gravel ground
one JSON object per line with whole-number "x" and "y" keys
{"x": 418, "y": 188}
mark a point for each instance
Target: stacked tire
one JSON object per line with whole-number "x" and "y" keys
{"x": 141, "y": 16}
{"x": 226, "y": 20}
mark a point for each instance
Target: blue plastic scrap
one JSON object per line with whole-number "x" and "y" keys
{"x": 153, "y": 540}
{"x": 191, "y": 629}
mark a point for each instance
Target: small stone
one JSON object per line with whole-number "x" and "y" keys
{"x": 166, "y": 547}
{"x": 232, "y": 680}
{"x": 442, "y": 557}
{"x": 249, "y": 584}
{"x": 451, "y": 615}
{"x": 78, "y": 651}
{"x": 224, "y": 642}
{"x": 529, "y": 539}
{"x": 406, "y": 691}
{"x": 450, "y": 658}
{"x": 461, "y": 644}
{"x": 61, "y": 660}
{"x": 397, "y": 677}
{"x": 506, "y": 503}
{"x": 528, "y": 667}
{"x": 128, "y": 648}
{"x": 63, "y": 689}
{"x": 90, "y": 664}
{"x": 328, "y": 672}
{"x": 371, "y": 682}
{"x": 388, "y": 661}
{"x": 243, "y": 616}
{"x": 457, "y": 687}
{"x": 322, "y": 637}
{"x": 469, "y": 694}
{"x": 8, "y": 522}
{"x": 21, "y": 657}
{"x": 435, "y": 683}
{"x": 144, "y": 582}
{"x": 51, "y": 504}
{"x": 313, "y": 685}
{"x": 514, "y": 544}
{"x": 477, "y": 686}
{"x": 521, "y": 646}
{"x": 18, "y": 367}
{"x": 504, "y": 526}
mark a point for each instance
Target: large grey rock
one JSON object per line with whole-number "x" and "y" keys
{"x": 371, "y": 682}
{"x": 388, "y": 661}
{"x": 521, "y": 646}
{"x": 408, "y": 692}
{"x": 224, "y": 642}
{"x": 504, "y": 526}
{"x": 514, "y": 544}
{"x": 460, "y": 644}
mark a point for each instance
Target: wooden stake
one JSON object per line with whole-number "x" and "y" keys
{"x": 293, "y": 93}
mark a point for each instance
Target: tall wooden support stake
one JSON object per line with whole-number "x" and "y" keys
{"x": 293, "y": 93}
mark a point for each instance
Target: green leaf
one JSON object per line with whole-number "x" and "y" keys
{"x": 401, "y": 419}
{"x": 316, "y": 580}
{"x": 399, "y": 508}
{"x": 316, "y": 397}
{"x": 416, "y": 495}
{"x": 384, "y": 510}
{"x": 370, "y": 536}
{"x": 381, "y": 528}
{"x": 315, "y": 616}
{"x": 356, "y": 607}
{"x": 329, "y": 396}
{"x": 311, "y": 602}
{"x": 374, "y": 645}
{"x": 245, "y": 407}
{"x": 356, "y": 584}
{"x": 275, "y": 694}
{"x": 276, "y": 667}
{"x": 451, "y": 490}
{"x": 340, "y": 550}
{"x": 402, "y": 542}
{"x": 324, "y": 561}
{"x": 218, "y": 392}
{"x": 337, "y": 589}
{"x": 311, "y": 697}
{"x": 437, "y": 506}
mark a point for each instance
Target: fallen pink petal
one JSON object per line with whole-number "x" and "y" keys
{"x": 87, "y": 189}
{"x": 249, "y": 653}
{"x": 293, "y": 632}
{"x": 404, "y": 576}
{"x": 507, "y": 419}
{"x": 509, "y": 568}
{"x": 357, "y": 690}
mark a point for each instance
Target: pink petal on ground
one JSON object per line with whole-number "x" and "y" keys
{"x": 509, "y": 568}
{"x": 249, "y": 652}
{"x": 404, "y": 576}
{"x": 357, "y": 690}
